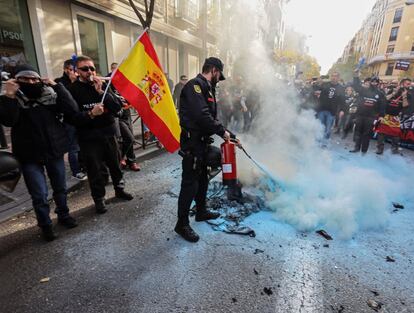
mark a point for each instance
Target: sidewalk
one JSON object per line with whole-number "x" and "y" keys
{"x": 12, "y": 204}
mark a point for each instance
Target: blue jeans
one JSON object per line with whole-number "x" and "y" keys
{"x": 35, "y": 179}
{"x": 327, "y": 119}
{"x": 73, "y": 154}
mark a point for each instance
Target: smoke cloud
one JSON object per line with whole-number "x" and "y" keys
{"x": 322, "y": 188}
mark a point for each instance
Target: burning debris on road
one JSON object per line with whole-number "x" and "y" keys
{"x": 232, "y": 212}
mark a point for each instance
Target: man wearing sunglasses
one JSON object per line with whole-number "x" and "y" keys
{"x": 97, "y": 138}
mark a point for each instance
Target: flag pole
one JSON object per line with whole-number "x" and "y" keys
{"x": 124, "y": 57}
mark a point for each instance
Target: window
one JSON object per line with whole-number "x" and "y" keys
{"x": 16, "y": 40}
{"x": 92, "y": 38}
{"x": 390, "y": 69}
{"x": 398, "y": 15}
{"x": 187, "y": 9}
{"x": 394, "y": 34}
{"x": 390, "y": 49}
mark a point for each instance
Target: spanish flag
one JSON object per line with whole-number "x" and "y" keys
{"x": 141, "y": 81}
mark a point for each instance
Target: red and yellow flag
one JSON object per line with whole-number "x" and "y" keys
{"x": 141, "y": 81}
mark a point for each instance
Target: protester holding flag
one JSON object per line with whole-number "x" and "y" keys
{"x": 97, "y": 138}
{"x": 389, "y": 121}
{"x": 198, "y": 111}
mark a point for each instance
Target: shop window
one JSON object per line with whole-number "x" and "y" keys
{"x": 398, "y": 15}
{"x": 390, "y": 69}
{"x": 92, "y": 38}
{"x": 16, "y": 40}
{"x": 390, "y": 49}
{"x": 394, "y": 34}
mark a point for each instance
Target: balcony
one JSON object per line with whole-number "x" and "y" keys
{"x": 392, "y": 57}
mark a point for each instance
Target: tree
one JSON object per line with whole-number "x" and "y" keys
{"x": 149, "y": 12}
{"x": 307, "y": 64}
{"x": 346, "y": 70}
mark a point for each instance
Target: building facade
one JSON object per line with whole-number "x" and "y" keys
{"x": 44, "y": 33}
{"x": 385, "y": 38}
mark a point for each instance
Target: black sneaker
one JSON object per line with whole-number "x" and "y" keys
{"x": 68, "y": 222}
{"x": 100, "y": 207}
{"x": 121, "y": 194}
{"x": 187, "y": 233}
{"x": 48, "y": 234}
{"x": 206, "y": 215}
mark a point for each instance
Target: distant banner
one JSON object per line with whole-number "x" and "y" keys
{"x": 402, "y": 65}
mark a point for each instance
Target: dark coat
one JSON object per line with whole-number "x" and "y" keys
{"x": 37, "y": 131}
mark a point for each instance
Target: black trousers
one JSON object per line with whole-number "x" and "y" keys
{"x": 194, "y": 184}
{"x": 3, "y": 140}
{"x": 127, "y": 147}
{"x": 97, "y": 153}
{"x": 363, "y": 132}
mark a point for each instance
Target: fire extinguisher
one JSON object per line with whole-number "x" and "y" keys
{"x": 228, "y": 163}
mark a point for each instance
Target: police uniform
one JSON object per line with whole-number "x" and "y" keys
{"x": 198, "y": 111}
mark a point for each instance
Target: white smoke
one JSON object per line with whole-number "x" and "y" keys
{"x": 322, "y": 188}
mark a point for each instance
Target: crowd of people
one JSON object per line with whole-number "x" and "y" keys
{"x": 49, "y": 118}
{"x": 73, "y": 114}
{"x": 371, "y": 108}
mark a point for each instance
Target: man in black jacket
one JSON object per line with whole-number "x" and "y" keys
{"x": 33, "y": 109}
{"x": 332, "y": 96}
{"x": 97, "y": 138}
{"x": 198, "y": 111}
{"x": 371, "y": 101}
{"x": 68, "y": 77}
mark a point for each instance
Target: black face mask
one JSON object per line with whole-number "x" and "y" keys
{"x": 32, "y": 91}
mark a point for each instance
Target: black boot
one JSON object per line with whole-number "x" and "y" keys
{"x": 68, "y": 222}
{"x": 355, "y": 150}
{"x": 100, "y": 206}
{"x": 121, "y": 194}
{"x": 187, "y": 233}
{"x": 47, "y": 233}
{"x": 206, "y": 215}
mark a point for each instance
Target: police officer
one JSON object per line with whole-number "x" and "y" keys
{"x": 198, "y": 112}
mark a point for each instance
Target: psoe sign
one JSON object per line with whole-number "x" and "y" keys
{"x": 10, "y": 35}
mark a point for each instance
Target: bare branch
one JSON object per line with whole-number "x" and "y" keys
{"x": 150, "y": 13}
{"x": 146, "y": 7}
{"x": 139, "y": 15}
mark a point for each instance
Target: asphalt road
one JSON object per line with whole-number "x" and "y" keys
{"x": 130, "y": 260}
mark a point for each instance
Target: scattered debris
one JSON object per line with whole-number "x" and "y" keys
{"x": 375, "y": 293}
{"x": 376, "y": 306}
{"x": 45, "y": 280}
{"x": 256, "y": 272}
{"x": 268, "y": 291}
{"x": 232, "y": 213}
{"x": 326, "y": 245}
{"x": 168, "y": 239}
{"x": 398, "y": 205}
{"x": 389, "y": 259}
{"x": 234, "y": 300}
{"x": 257, "y": 251}
{"x": 324, "y": 234}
